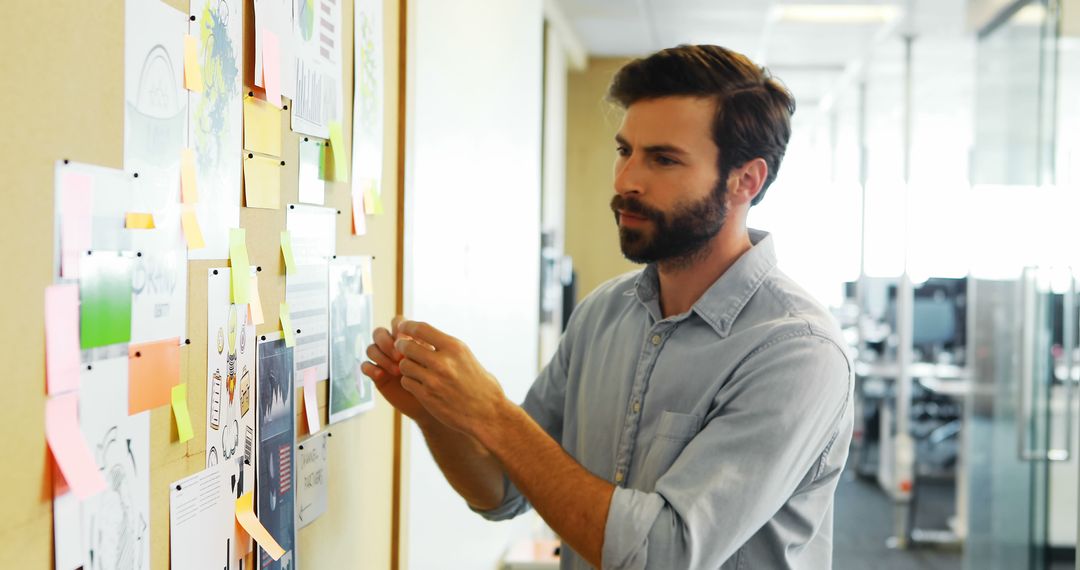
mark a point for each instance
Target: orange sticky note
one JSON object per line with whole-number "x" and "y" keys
{"x": 153, "y": 369}
{"x": 286, "y": 252}
{"x": 180, "y": 412}
{"x": 62, "y": 337}
{"x": 245, "y": 515}
{"x": 135, "y": 221}
{"x": 262, "y": 183}
{"x": 359, "y": 217}
{"x": 311, "y": 401}
{"x": 69, "y": 447}
{"x": 286, "y": 325}
{"x": 254, "y": 302}
{"x": 192, "y": 72}
{"x": 192, "y": 231}
{"x": 189, "y": 194}
{"x": 271, "y": 61}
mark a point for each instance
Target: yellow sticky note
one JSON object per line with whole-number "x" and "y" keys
{"x": 262, "y": 127}
{"x": 337, "y": 143}
{"x": 262, "y": 183}
{"x": 192, "y": 73}
{"x": 255, "y": 305}
{"x": 192, "y": 231}
{"x": 238, "y": 259}
{"x": 189, "y": 194}
{"x": 134, "y": 221}
{"x": 245, "y": 515}
{"x": 286, "y": 252}
{"x": 286, "y": 325}
{"x": 180, "y": 412}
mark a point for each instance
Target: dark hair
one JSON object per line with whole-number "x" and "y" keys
{"x": 753, "y": 112}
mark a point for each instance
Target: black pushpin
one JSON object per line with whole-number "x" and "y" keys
{"x": 136, "y": 175}
{"x": 301, "y": 447}
{"x": 138, "y": 254}
{"x": 178, "y": 486}
{"x": 292, "y": 206}
{"x": 137, "y": 354}
{"x": 251, "y": 93}
{"x": 187, "y": 341}
{"x": 285, "y": 107}
{"x": 297, "y": 331}
{"x": 258, "y": 268}
{"x": 66, "y": 161}
{"x": 283, "y": 163}
{"x": 215, "y": 272}
{"x": 263, "y": 337}
{"x": 89, "y": 367}
{"x": 251, "y": 155}
{"x": 339, "y": 212}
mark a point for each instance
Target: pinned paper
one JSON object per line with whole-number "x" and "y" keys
{"x": 262, "y": 127}
{"x": 286, "y": 325}
{"x": 311, "y": 400}
{"x": 372, "y": 201}
{"x": 69, "y": 447}
{"x": 62, "y": 337}
{"x": 192, "y": 231}
{"x": 192, "y": 72}
{"x": 105, "y": 299}
{"x": 189, "y": 193}
{"x": 153, "y": 370}
{"x": 255, "y": 304}
{"x": 180, "y": 412}
{"x": 245, "y": 515}
{"x": 287, "y": 253}
{"x": 271, "y": 67}
{"x": 337, "y": 143}
{"x": 262, "y": 183}
{"x": 76, "y": 205}
{"x": 134, "y": 221}
{"x": 238, "y": 258}
{"x": 365, "y": 277}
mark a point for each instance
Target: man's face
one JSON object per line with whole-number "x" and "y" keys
{"x": 669, "y": 199}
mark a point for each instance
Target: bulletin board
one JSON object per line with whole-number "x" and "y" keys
{"x": 62, "y": 97}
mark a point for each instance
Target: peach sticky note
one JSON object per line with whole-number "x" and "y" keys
{"x": 137, "y": 221}
{"x": 311, "y": 400}
{"x": 192, "y": 231}
{"x": 286, "y": 325}
{"x": 62, "y": 337}
{"x": 262, "y": 182}
{"x": 238, "y": 259}
{"x": 245, "y": 515}
{"x": 337, "y": 144}
{"x": 76, "y": 205}
{"x": 153, "y": 369}
{"x": 255, "y": 303}
{"x": 189, "y": 193}
{"x": 271, "y": 63}
{"x": 359, "y": 217}
{"x": 262, "y": 127}
{"x": 69, "y": 447}
{"x": 286, "y": 252}
{"x": 192, "y": 73}
{"x": 180, "y": 412}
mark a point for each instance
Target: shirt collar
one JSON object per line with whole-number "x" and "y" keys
{"x": 725, "y": 298}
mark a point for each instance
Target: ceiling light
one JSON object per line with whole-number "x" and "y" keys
{"x": 835, "y": 13}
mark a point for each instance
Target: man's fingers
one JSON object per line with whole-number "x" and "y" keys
{"x": 395, "y": 323}
{"x": 426, "y": 333}
{"x": 385, "y": 342}
{"x": 411, "y": 384}
{"x": 415, "y": 370}
{"x": 413, "y": 351}
{"x": 377, "y": 375}
{"x": 382, "y": 360}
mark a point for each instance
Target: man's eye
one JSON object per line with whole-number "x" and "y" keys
{"x": 622, "y": 151}
{"x": 665, "y": 161}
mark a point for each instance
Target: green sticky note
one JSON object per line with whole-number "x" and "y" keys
{"x": 105, "y": 299}
{"x": 286, "y": 325}
{"x": 180, "y": 412}
{"x": 337, "y": 143}
{"x": 238, "y": 258}
{"x": 286, "y": 252}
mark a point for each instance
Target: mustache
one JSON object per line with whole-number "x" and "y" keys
{"x": 635, "y": 207}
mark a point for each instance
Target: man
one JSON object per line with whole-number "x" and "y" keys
{"x": 697, "y": 413}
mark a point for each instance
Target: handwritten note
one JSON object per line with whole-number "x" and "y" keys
{"x": 286, "y": 325}
{"x": 76, "y": 206}
{"x": 180, "y": 412}
{"x": 69, "y": 447}
{"x": 153, "y": 370}
{"x": 238, "y": 258}
{"x": 245, "y": 515}
{"x": 311, "y": 401}
{"x": 311, "y": 480}
{"x": 62, "y": 337}
{"x": 192, "y": 72}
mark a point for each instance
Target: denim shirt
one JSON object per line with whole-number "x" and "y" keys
{"x": 724, "y": 429}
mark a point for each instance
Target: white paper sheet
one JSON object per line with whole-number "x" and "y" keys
{"x": 311, "y": 479}
{"x": 113, "y": 526}
{"x": 276, "y": 432}
{"x": 313, "y": 231}
{"x": 317, "y": 32}
{"x": 367, "y": 146}
{"x": 312, "y": 188}
{"x": 201, "y": 511}
{"x": 215, "y": 122}
{"x": 230, "y": 392}
{"x": 351, "y": 327}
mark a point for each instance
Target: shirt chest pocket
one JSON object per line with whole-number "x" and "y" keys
{"x": 673, "y": 432}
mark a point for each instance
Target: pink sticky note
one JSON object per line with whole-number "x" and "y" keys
{"x": 62, "y": 337}
{"x": 271, "y": 61}
{"x": 311, "y": 400}
{"x": 69, "y": 448}
{"x": 76, "y": 204}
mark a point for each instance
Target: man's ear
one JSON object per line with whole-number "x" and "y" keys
{"x": 744, "y": 182}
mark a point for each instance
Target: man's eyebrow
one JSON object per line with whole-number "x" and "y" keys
{"x": 654, "y": 149}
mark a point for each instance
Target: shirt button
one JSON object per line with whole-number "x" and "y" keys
{"x": 618, "y": 477}
{"x": 656, "y": 340}
{"x": 637, "y": 407}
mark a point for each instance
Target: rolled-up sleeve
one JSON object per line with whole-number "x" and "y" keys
{"x": 770, "y": 426}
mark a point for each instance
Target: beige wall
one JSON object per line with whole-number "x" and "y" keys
{"x": 591, "y": 237}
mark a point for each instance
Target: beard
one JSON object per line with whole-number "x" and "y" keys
{"x": 678, "y": 236}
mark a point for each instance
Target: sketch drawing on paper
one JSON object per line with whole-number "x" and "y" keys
{"x": 117, "y": 528}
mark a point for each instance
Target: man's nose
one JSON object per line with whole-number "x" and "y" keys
{"x": 628, "y": 179}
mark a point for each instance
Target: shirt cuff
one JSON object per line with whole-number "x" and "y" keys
{"x": 513, "y": 504}
{"x": 626, "y": 535}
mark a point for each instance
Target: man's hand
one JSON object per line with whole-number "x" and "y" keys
{"x": 387, "y": 376}
{"x": 446, "y": 378}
